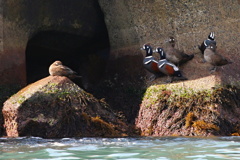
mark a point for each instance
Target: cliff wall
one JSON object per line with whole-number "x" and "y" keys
{"x": 132, "y": 23}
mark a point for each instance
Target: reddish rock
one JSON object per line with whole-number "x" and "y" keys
{"x": 56, "y": 107}
{"x": 173, "y": 112}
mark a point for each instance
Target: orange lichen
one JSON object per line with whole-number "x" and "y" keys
{"x": 189, "y": 119}
{"x": 235, "y": 134}
{"x": 201, "y": 125}
{"x": 149, "y": 131}
{"x": 105, "y": 128}
{"x": 237, "y": 130}
{"x": 101, "y": 127}
{"x": 86, "y": 117}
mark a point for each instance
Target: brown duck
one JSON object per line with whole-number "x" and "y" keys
{"x": 58, "y": 69}
{"x": 174, "y": 55}
{"x": 214, "y": 58}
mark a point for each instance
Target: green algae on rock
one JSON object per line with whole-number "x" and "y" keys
{"x": 185, "y": 112}
{"x": 55, "y": 107}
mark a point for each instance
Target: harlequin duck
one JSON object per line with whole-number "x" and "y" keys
{"x": 213, "y": 57}
{"x": 174, "y": 55}
{"x": 58, "y": 69}
{"x": 168, "y": 68}
{"x": 205, "y": 43}
{"x": 150, "y": 63}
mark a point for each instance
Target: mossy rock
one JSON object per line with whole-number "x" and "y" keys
{"x": 56, "y": 107}
{"x": 186, "y": 112}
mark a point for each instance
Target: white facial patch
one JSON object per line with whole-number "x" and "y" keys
{"x": 162, "y": 54}
{"x": 149, "y": 51}
{"x": 212, "y": 35}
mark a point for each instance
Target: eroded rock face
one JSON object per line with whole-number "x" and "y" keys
{"x": 132, "y": 22}
{"x": 56, "y": 107}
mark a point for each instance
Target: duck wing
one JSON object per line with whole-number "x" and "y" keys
{"x": 219, "y": 60}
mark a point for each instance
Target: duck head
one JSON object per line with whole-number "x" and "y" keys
{"x": 161, "y": 52}
{"x": 171, "y": 41}
{"x": 211, "y": 36}
{"x": 148, "y": 49}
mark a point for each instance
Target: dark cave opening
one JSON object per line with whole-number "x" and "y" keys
{"x": 84, "y": 49}
{"x": 86, "y": 56}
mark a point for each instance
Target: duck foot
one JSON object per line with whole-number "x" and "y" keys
{"x": 169, "y": 80}
{"x": 152, "y": 78}
{"x": 212, "y": 70}
{"x": 181, "y": 78}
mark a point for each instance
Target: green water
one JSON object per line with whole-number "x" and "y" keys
{"x": 158, "y": 148}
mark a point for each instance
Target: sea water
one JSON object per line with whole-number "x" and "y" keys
{"x": 141, "y": 148}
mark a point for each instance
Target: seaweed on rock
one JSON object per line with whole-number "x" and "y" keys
{"x": 180, "y": 111}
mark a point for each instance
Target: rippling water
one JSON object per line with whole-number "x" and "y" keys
{"x": 160, "y": 148}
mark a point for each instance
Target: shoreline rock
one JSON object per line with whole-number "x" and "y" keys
{"x": 185, "y": 112}
{"x": 55, "y": 107}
